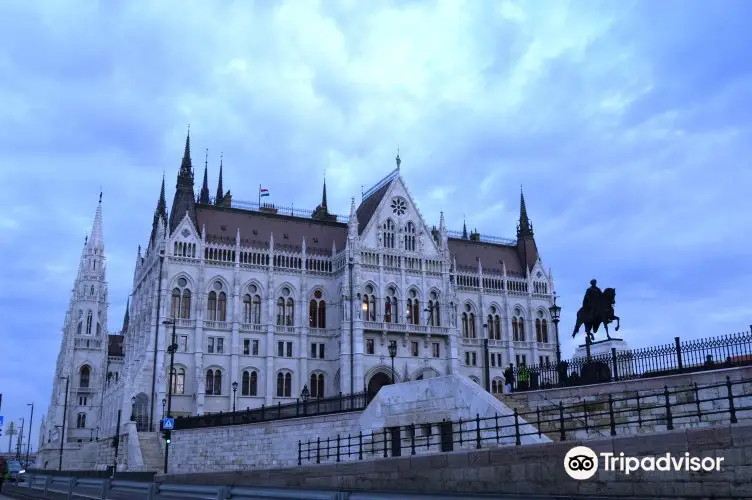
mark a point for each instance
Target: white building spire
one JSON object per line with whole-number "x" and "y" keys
{"x": 97, "y": 238}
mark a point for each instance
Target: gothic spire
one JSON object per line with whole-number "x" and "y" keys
{"x": 185, "y": 175}
{"x": 162, "y": 203}
{"x": 323, "y": 196}
{"x": 525, "y": 227}
{"x": 204, "y": 196}
{"x": 126, "y": 318}
{"x": 220, "y": 191}
{"x": 96, "y": 239}
{"x": 464, "y": 230}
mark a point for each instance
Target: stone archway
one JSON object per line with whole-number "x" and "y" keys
{"x": 141, "y": 412}
{"x": 379, "y": 380}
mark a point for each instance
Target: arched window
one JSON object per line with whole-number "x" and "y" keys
{"x": 83, "y": 376}
{"x": 256, "y": 310}
{"x": 390, "y": 306}
{"x": 434, "y": 313}
{"x": 249, "y": 386}
{"x": 178, "y": 380}
{"x": 389, "y": 234}
{"x": 317, "y": 311}
{"x": 222, "y": 307}
{"x": 81, "y": 421}
{"x": 79, "y": 327}
{"x": 290, "y": 312}
{"x": 91, "y": 291}
{"x": 541, "y": 328}
{"x": 518, "y": 326}
{"x": 494, "y": 324}
{"x": 317, "y": 385}
{"x": 413, "y": 308}
{"x": 280, "y": 311}
{"x": 213, "y": 382}
{"x": 211, "y": 306}
{"x": 468, "y": 322}
{"x": 109, "y": 377}
{"x": 88, "y": 323}
{"x": 181, "y": 300}
{"x": 247, "y": 308}
{"x": 465, "y": 330}
{"x": 369, "y": 304}
{"x": 410, "y": 237}
{"x": 284, "y": 385}
{"x": 494, "y": 387}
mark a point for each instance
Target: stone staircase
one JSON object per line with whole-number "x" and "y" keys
{"x": 550, "y": 424}
{"x": 152, "y": 451}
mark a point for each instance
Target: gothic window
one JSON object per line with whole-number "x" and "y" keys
{"x": 369, "y": 306}
{"x": 256, "y": 310}
{"x": 88, "y": 323}
{"x": 494, "y": 324}
{"x": 284, "y": 385}
{"x": 541, "y": 328}
{"x": 413, "y": 308}
{"x": 83, "y": 377}
{"x": 280, "y": 311}
{"x": 214, "y": 382}
{"x": 247, "y": 308}
{"x": 109, "y": 378}
{"x": 178, "y": 380}
{"x": 79, "y": 326}
{"x": 181, "y": 300}
{"x": 389, "y": 234}
{"x": 399, "y": 207}
{"x": 434, "y": 313}
{"x": 468, "y": 322}
{"x": 249, "y": 386}
{"x": 91, "y": 290}
{"x": 390, "y": 306}
{"x": 81, "y": 421}
{"x": 99, "y": 328}
{"x": 290, "y": 312}
{"x": 518, "y": 325}
{"x": 317, "y": 311}
{"x": 317, "y": 385}
{"x": 410, "y": 237}
{"x": 216, "y": 304}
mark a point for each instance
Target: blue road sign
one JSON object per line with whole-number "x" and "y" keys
{"x": 168, "y": 423}
{"x": 2, "y": 419}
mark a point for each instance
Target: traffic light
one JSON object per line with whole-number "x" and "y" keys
{"x": 167, "y": 435}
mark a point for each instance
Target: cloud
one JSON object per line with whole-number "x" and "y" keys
{"x": 627, "y": 124}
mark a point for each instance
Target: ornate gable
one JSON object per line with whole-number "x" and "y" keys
{"x": 394, "y": 217}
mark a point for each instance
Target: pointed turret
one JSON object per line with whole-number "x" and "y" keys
{"x": 464, "y": 230}
{"x": 126, "y": 317}
{"x": 160, "y": 213}
{"x": 322, "y": 212}
{"x": 185, "y": 199}
{"x": 352, "y": 223}
{"x": 220, "y": 191}
{"x": 96, "y": 240}
{"x": 204, "y": 196}
{"x": 526, "y": 248}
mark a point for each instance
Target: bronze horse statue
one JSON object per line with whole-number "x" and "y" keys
{"x": 601, "y": 311}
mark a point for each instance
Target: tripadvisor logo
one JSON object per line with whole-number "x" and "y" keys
{"x": 582, "y": 463}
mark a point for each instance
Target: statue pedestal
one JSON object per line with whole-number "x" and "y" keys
{"x": 602, "y": 351}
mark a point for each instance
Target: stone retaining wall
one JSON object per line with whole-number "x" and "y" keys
{"x": 535, "y": 469}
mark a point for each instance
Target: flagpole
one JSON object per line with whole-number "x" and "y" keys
{"x": 259, "y": 193}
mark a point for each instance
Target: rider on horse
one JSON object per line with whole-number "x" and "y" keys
{"x": 590, "y": 301}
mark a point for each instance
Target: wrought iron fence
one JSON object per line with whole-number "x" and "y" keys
{"x": 279, "y": 209}
{"x": 655, "y": 361}
{"x": 666, "y": 408}
{"x": 341, "y": 403}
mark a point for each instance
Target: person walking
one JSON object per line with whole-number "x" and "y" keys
{"x": 508, "y": 379}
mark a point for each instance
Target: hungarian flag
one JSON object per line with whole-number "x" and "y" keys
{"x": 263, "y": 192}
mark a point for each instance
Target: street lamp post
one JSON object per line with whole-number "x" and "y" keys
{"x": 555, "y": 311}
{"x": 234, "y": 394}
{"x": 62, "y": 427}
{"x": 171, "y": 349}
{"x": 392, "y": 354}
{"x": 28, "y": 444}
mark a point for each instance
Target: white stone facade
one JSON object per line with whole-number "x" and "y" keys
{"x": 82, "y": 359}
{"x": 247, "y": 289}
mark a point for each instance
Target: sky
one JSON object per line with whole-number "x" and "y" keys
{"x": 627, "y": 123}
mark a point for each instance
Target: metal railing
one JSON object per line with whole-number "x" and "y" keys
{"x": 660, "y": 408}
{"x": 655, "y": 361}
{"x": 341, "y": 403}
{"x": 38, "y": 486}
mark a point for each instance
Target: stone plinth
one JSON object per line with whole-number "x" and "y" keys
{"x": 602, "y": 350}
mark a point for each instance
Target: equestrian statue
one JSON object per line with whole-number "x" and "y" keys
{"x": 597, "y": 308}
